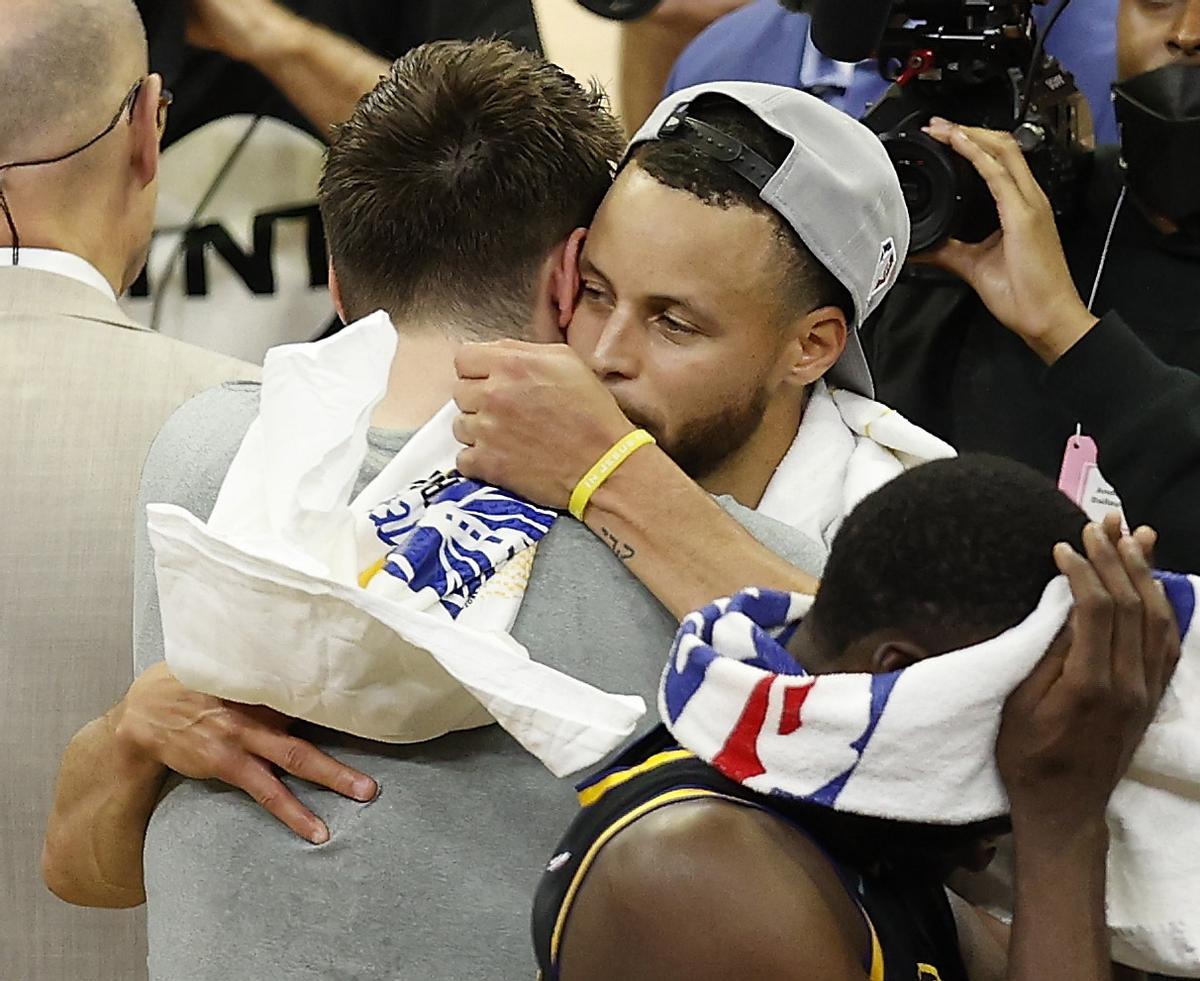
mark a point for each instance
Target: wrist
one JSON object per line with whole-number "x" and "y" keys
{"x": 1037, "y": 830}
{"x": 607, "y": 465}
{"x": 131, "y": 755}
{"x": 618, "y": 495}
{"x": 1061, "y": 332}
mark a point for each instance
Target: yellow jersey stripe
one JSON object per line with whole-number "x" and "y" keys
{"x": 589, "y": 795}
{"x": 623, "y": 822}
{"x": 876, "y": 948}
{"x": 595, "y": 792}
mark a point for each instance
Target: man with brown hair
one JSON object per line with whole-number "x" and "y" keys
{"x": 238, "y": 262}
{"x": 454, "y": 199}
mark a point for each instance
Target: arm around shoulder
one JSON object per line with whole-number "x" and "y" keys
{"x": 684, "y": 546}
{"x": 106, "y": 791}
{"x": 107, "y": 786}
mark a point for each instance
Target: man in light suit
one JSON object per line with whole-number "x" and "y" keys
{"x": 83, "y": 390}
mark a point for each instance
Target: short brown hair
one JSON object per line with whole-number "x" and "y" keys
{"x": 455, "y": 176}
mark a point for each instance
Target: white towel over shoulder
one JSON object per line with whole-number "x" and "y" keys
{"x": 388, "y": 616}
{"x": 847, "y": 446}
{"x": 263, "y": 604}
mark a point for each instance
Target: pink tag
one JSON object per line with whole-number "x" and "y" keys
{"x": 1080, "y": 457}
{"x": 1081, "y": 480}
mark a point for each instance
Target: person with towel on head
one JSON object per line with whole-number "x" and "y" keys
{"x": 739, "y": 841}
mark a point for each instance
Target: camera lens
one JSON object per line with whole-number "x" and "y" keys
{"x": 930, "y": 182}
{"x": 946, "y": 198}
{"x": 917, "y": 188}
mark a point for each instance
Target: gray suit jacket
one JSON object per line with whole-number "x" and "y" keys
{"x": 83, "y": 390}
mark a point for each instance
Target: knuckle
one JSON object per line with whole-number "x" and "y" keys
{"x": 268, "y": 797}
{"x": 218, "y": 762}
{"x": 1137, "y": 702}
{"x": 1091, "y": 693}
{"x": 232, "y": 727}
{"x": 1097, "y": 604}
{"x": 1159, "y": 624}
{"x": 294, "y": 755}
{"x": 1127, "y": 604}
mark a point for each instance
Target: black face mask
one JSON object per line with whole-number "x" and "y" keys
{"x": 1159, "y": 113}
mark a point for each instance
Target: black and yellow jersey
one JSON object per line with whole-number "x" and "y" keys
{"x": 911, "y": 928}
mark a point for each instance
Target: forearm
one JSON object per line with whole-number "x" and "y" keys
{"x": 321, "y": 72}
{"x": 648, "y": 51}
{"x": 103, "y": 801}
{"x": 678, "y": 541}
{"x": 1058, "y": 923}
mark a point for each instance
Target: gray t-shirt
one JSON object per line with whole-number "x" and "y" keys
{"x": 434, "y": 879}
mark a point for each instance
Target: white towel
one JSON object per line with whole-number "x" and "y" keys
{"x": 283, "y": 561}
{"x": 263, "y": 604}
{"x": 919, "y": 745}
{"x": 846, "y": 447}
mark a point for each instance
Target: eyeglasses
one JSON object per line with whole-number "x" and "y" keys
{"x": 127, "y": 104}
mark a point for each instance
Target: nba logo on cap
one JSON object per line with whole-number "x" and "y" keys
{"x": 885, "y": 267}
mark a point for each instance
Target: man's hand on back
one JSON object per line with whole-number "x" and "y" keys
{"x": 534, "y": 418}
{"x": 205, "y": 738}
{"x": 1020, "y": 272}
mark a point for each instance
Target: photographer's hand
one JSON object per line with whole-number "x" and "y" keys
{"x": 1020, "y": 272}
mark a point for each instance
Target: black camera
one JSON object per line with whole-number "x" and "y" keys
{"x": 975, "y": 62}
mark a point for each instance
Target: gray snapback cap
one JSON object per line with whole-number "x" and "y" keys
{"x": 837, "y": 188}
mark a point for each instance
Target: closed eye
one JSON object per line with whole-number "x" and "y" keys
{"x": 676, "y": 328}
{"x": 593, "y": 291}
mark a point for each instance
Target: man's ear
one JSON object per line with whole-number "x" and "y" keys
{"x": 335, "y": 294}
{"x": 565, "y": 281}
{"x": 895, "y": 655}
{"x": 818, "y": 341}
{"x": 147, "y": 135}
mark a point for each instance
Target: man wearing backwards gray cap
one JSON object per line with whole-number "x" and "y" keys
{"x": 436, "y": 873}
{"x": 749, "y": 233}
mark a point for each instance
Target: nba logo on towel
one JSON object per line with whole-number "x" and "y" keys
{"x": 885, "y": 267}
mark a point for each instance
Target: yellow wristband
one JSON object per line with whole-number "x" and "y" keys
{"x": 604, "y": 468}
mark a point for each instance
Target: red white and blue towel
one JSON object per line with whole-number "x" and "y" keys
{"x": 918, "y": 745}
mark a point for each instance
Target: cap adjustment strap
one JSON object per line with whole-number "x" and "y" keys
{"x": 718, "y": 145}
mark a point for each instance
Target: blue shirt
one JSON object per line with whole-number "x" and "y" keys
{"x": 762, "y": 42}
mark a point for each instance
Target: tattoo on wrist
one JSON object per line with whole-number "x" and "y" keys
{"x": 620, "y": 549}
